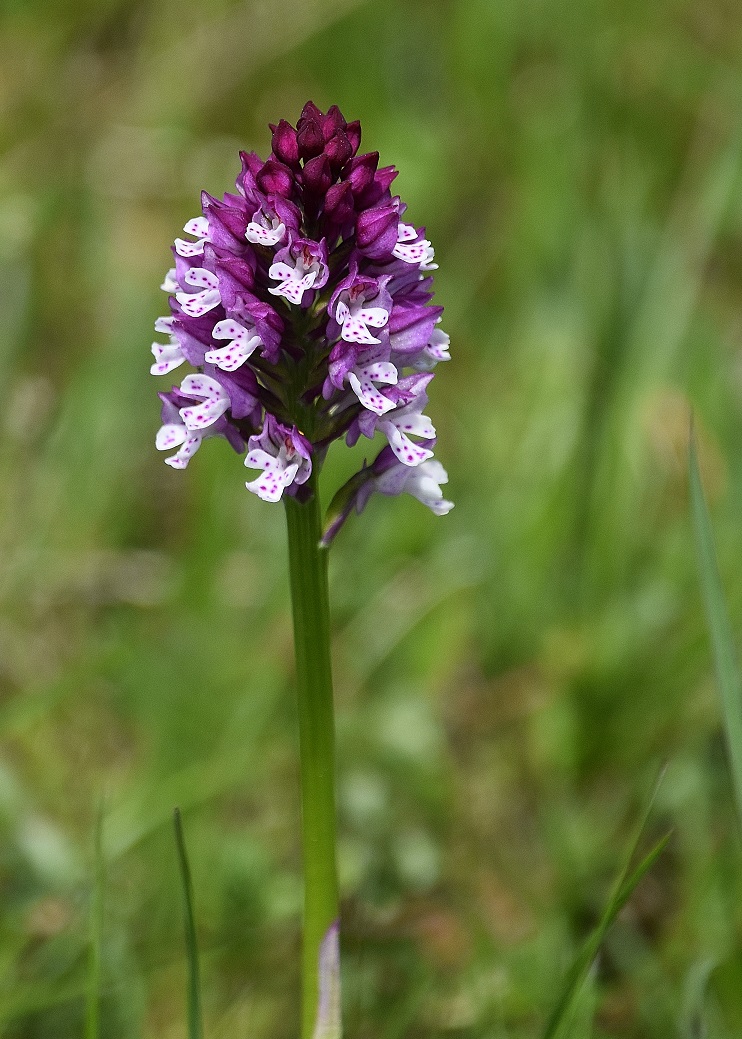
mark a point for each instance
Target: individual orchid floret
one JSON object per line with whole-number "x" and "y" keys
{"x": 265, "y": 229}
{"x": 177, "y": 434}
{"x": 400, "y": 424}
{"x": 403, "y": 422}
{"x": 167, "y": 355}
{"x": 411, "y": 248}
{"x": 200, "y": 302}
{"x": 354, "y": 317}
{"x": 436, "y": 350}
{"x": 366, "y": 375}
{"x": 199, "y": 228}
{"x": 170, "y": 282}
{"x": 174, "y": 433}
{"x": 213, "y": 400}
{"x": 283, "y": 454}
{"x": 300, "y": 266}
{"x": 243, "y": 343}
{"x": 423, "y": 481}
{"x": 390, "y": 477}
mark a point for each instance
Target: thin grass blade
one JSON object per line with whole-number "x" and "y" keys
{"x": 195, "y": 1017}
{"x": 720, "y": 629}
{"x": 95, "y": 968}
{"x": 625, "y": 884}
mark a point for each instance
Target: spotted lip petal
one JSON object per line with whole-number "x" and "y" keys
{"x": 167, "y": 356}
{"x": 283, "y": 454}
{"x": 243, "y": 344}
{"x": 175, "y": 434}
{"x": 214, "y": 401}
{"x": 354, "y": 319}
{"x": 259, "y": 234}
{"x": 362, "y": 381}
{"x": 406, "y": 450}
{"x": 188, "y": 449}
{"x": 199, "y": 227}
{"x": 195, "y": 304}
{"x": 293, "y": 282}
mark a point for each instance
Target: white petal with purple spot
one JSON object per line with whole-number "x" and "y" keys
{"x": 214, "y": 401}
{"x": 410, "y": 250}
{"x": 199, "y": 227}
{"x": 167, "y": 357}
{"x": 362, "y": 380}
{"x": 173, "y": 434}
{"x": 197, "y": 303}
{"x": 242, "y": 345}
{"x": 408, "y": 452}
{"x": 170, "y": 284}
{"x": 354, "y": 319}
{"x": 260, "y": 235}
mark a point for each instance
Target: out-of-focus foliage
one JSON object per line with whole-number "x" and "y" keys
{"x": 509, "y": 678}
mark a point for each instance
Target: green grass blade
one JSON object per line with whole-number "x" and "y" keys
{"x": 195, "y": 1020}
{"x": 720, "y": 629}
{"x": 95, "y": 969}
{"x": 622, "y": 889}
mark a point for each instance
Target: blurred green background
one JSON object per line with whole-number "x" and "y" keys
{"x": 509, "y": 678}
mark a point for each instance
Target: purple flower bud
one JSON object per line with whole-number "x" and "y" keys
{"x": 284, "y": 143}
{"x": 339, "y": 206}
{"x": 378, "y": 189}
{"x": 235, "y": 276}
{"x": 376, "y": 232}
{"x": 275, "y": 179}
{"x": 309, "y": 112}
{"x": 338, "y": 150}
{"x": 353, "y": 133}
{"x": 317, "y": 175}
{"x": 332, "y": 122}
{"x": 360, "y": 172}
{"x": 310, "y": 139}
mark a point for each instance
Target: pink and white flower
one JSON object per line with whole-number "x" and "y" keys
{"x": 283, "y": 454}
{"x": 214, "y": 401}
{"x": 199, "y": 228}
{"x": 413, "y": 249}
{"x": 243, "y": 343}
{"x": 167, "y": 355}
{"x": 404, "y": 422}
{"x": 354, "y": 318}
{"x": 177, "y": 434}
{"x": 299, "y": 267}
{"x": 364, "y": 377}
{"x": 200, "y": 302}
{"x": 265, "y": 229}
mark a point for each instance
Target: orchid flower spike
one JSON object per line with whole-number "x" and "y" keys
{"x": 301, "y": 305}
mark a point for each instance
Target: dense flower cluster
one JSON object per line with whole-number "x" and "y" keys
{"x": 303, "y": 301}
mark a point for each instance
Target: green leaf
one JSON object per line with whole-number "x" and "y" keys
{"x": 622, "y": 890}
{"x": 195, "y": 1020}
{"x": 720, "y": 629}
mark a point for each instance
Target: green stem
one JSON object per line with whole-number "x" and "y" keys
{"x": 311, "y": 610}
